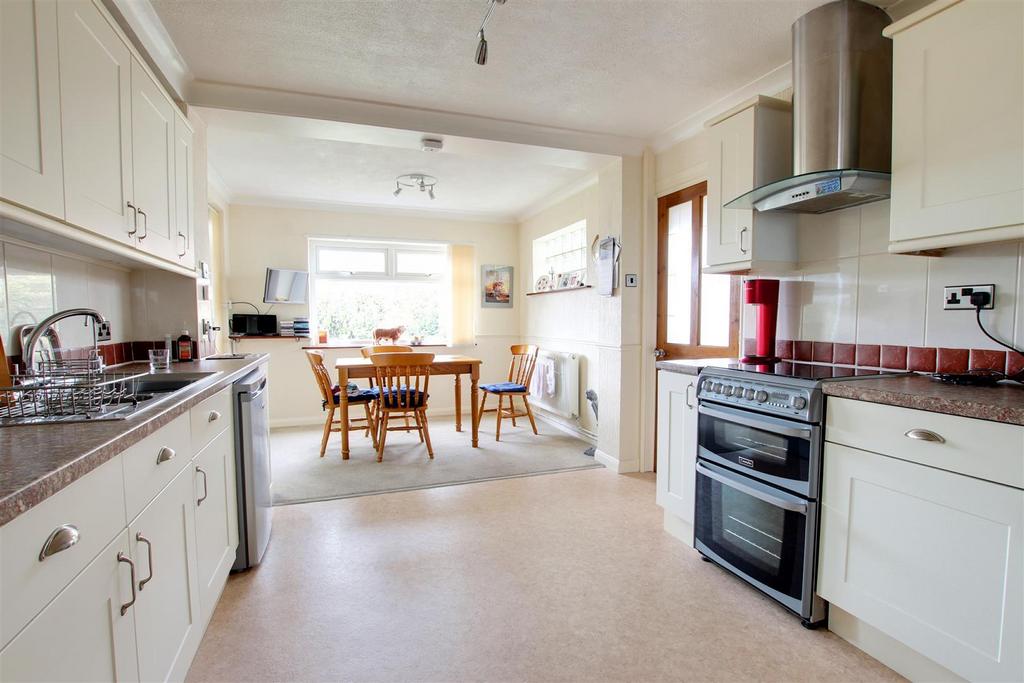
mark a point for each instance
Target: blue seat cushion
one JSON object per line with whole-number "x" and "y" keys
{"x": 363, "y": 396}
{"x": 403, "y": 398}
{"x": 504, "y": 388}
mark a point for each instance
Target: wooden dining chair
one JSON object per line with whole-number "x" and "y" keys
{"x": 520, "y": 372}
{"x": 368, "y": 351}
{"x": 403, "y": 381}
{"x": 330, "y": 394}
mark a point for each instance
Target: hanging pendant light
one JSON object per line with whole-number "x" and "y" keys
{"x": 481, "y": 46}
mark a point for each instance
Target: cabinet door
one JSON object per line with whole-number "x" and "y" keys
{"x": 184, "y": 193}
{"x": 732, "y": 174}
{"x": 216, "y": 518}
{"x": 677, "y": 443}
{"x": 167, "y": 611}
{"x": 81, "y": 635}
{"x": 931, "y": 558}
{"x": 153, "y": 164}
{"x": 31, "y": 170}
{"x": 958, "y": 103}
{"x": 95, "y": 105}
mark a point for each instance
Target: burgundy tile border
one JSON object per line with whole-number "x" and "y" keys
{"x": 952, "y": 360}
{"x": 821, "y": 352}
{"x": 869, "y": 355}
{"x": 1014, "y": 363}
{"x": 894, "y": 357}
{"x": 986, "y": 359}
{"x": 802, "y": 350}
{"x": 921, "y": 359}
{"x": 784, "y": 349}
{"x": 844, "y": 354}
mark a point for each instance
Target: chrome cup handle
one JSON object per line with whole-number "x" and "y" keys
{"x": 924, "y": 435}
{"x": 149, "y": 553}
{"x": 164, "y": 455}
{"x": 213, "y": 416}
{"x": 61, "y": 538}
{"x": 121, "y": 557}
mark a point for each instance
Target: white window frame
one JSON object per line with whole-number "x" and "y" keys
{"x": 540, "y": 266}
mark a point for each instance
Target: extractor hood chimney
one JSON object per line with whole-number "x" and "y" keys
{"x": 842, "y": 113}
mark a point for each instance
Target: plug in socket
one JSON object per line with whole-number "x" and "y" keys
{"x": 103, "y": 331}
{"x": 958, "y": 297}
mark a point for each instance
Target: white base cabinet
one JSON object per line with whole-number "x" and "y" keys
{"x": 677, "y": 445}
{"x": 216, "y": 518}
{"x": 931, "y": 558}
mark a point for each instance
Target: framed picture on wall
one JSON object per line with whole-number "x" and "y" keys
{"x": 496, "y": 286}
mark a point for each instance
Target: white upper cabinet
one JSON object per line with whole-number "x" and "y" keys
{"x": 153, "y": 164}
{"x": 184, "y": 192}
{"x": 31, "y": 171}
{"x": 750, "y": 146}
{"x": 958, "y": 136}
{"x": 95, "y": 102}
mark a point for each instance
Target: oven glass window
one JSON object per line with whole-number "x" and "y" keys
{"x": 760, "y": 540}
{"x": 757, "y": 449}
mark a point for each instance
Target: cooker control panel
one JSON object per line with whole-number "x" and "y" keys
{"x": 760, "y": 395}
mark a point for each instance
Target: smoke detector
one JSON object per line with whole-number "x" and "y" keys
{"x": 431, "y": 144}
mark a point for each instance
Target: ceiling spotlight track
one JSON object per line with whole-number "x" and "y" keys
{"x": 481, "y": 46}
{"x": 415, "y": 181}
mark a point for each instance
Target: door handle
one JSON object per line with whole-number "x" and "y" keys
{"x": 206, "y": 490}
{"x": 61, "y": 538}
{"x": 214, "y": 416}
{"x": 164, "y": 455}
{"x": 924, "y": 435}
{"x": 149, "y": 553}
{"x": 742, "y": 230}
{"x": 145, "y": 225}
{"x": 689, "y": 403}
{"x": 660, "y": 353}
{"x": 184, "y": 245}
{"x": 135, "y": 220}
{"x": 121, "y": 557}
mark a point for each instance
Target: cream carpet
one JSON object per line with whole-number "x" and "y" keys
{"x": 300, "y": 475}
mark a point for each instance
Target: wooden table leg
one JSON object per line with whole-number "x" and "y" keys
{"x": 458, "y": 402}
{"x": 474, "y": 397}
{"x": 343, "y": 407}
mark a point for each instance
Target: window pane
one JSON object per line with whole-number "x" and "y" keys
{"x": 420, "y": 262}
{"x": 679, "y": 276}
{"x": 337, "y": 259}
{"x": 714, "y": 310}
{"x": 352, "y": 309}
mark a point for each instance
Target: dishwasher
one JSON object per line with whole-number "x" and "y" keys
{"x": 252, "y": 468}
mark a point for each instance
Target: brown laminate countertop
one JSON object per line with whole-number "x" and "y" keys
{"x": 37, "y": 461}
{"x": 1002, "y": 403}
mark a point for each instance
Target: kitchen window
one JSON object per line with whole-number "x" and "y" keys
{"x": 562, "y": 253}
{"x": 358, "y": 286}
{"x": 698, "y": 313}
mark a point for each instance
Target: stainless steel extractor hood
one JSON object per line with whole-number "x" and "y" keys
{"x": 842, "y": 113}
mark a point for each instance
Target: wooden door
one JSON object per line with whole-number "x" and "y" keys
{"x": 95, "y": 102}
{"x": 81, "y": 635}
{"x": 31, "y": 168}
{"x": 216, "y": 518}
{"x": 167, "y": 612}
{"x": 153, "y": 164}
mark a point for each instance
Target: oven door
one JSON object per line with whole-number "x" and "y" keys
{"x": 781, "y": 452}
{"x": 764, "y": 535}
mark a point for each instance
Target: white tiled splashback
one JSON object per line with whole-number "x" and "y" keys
{"x": 34, "y": 283}
{"x": 849, "y": 289}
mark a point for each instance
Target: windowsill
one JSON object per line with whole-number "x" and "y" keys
{"x": 355, "y": 345}
{"x": 562, "y": 289}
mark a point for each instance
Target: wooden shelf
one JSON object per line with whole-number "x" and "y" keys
{"x": 556, "y": 291}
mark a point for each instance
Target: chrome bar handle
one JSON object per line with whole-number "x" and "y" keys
{"x": 121, "y": 557}
{"x": 149, "y": 554}
{"x": 689, "y": 403}
{"x": 184, "y": 244}
{"x": 165, "y": 454}
{"x": 206, "y": 489}
{"x": 924, "y": 435}
{"x": 61, "y": 538}
{"x": 145, "y": 225}
{"x": 135, "y": 220}
{"x": 742, "y": 230}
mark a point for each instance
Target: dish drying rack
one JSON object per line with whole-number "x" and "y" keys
{"x": 71, "y": 388}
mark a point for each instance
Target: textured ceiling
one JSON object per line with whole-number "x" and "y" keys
{"x": 627, "y": 67}
{"x": 291, "y": 159}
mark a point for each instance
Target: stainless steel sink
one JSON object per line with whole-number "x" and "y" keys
{"x": 230, "y": 356}
{"x": 161, "y": 383}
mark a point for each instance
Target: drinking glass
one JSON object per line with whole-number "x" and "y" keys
{"x": 159, "y": 360}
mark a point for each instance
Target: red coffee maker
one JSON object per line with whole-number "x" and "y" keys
{"x": 764, "y": 295}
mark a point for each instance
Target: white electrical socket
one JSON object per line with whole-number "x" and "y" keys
{"x": 103, "y": 331}
{"x": 958, "y": 297}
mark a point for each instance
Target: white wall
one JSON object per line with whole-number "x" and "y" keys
{"x": 263, "y": 236}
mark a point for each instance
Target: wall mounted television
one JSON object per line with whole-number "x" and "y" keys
{"x": 285, "y": 286}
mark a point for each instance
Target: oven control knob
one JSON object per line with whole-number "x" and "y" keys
{"x": 749, "y": 394}
{"x": 727, "y": 390}
{"x": 761, "y": 396}
{"x": 799, "y": 402}
{"x": 716, "y": 387}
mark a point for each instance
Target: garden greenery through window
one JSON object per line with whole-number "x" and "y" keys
{"x": 359, "y": 286}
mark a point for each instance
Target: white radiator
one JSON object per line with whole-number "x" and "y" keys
{"x": 556, "y": 383}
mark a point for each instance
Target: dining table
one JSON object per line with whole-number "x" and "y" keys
{"x": 443, "y": 364}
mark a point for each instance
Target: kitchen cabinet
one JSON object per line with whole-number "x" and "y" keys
{"x": 82, "y": 635}
{"x": 31, "y": 165}
{"x": 184, "y": 192}
{"x": 929, "y": 556}
{"x": 677, "y": 446}
{"x": 216, "y": 518}
{"x": 958, "y": 103}
{"x": 96, "y": 113}
{"x": 749, "y": 146}
{"x": 167, "y": 610}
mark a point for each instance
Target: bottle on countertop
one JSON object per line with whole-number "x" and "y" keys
{"x": 184, "y": 347}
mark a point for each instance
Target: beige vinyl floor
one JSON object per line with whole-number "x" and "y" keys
{"x": 565, "y": 577}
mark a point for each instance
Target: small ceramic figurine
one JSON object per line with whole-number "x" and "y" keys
{"x": 390, "y": 334}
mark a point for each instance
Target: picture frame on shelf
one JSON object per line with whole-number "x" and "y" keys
{"x": 542, "y": 284}
{"x": 563, "y": 281}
